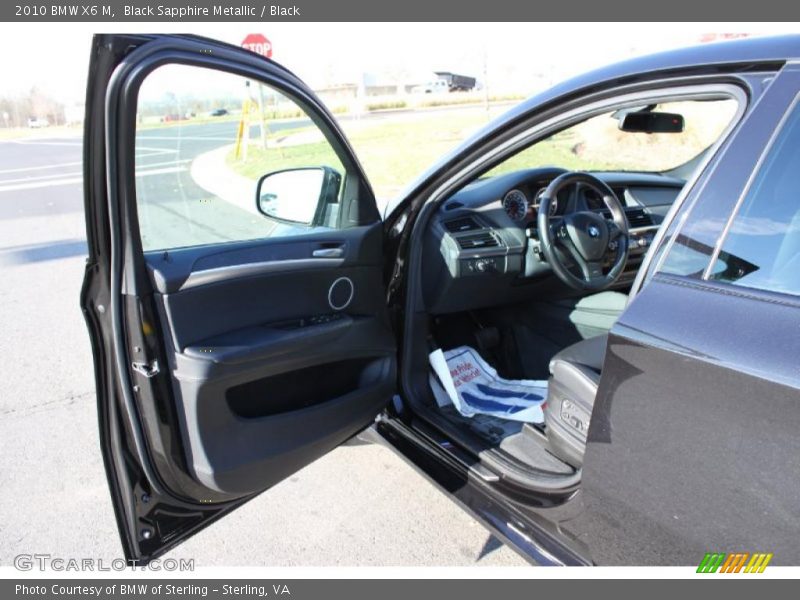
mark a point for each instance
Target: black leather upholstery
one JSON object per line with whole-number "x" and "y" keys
{"x": 575, "y": 375}
{"x": 588, "y": 353}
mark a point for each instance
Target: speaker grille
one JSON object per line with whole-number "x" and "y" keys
{"x": 340, "y": 294}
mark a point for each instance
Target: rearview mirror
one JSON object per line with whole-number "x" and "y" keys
{"x": 651, "y": 122}
{"x": 306, "y": 195}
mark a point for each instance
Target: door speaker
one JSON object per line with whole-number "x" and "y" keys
{"x": 340, "y": 294}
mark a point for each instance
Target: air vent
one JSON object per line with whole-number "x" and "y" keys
{"x": 637, "y": 217}
{"x": 472, "y": 241}
{"x": 463, "y": 224}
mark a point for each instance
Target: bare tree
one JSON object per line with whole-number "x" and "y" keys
{"x": 35, "y": 104}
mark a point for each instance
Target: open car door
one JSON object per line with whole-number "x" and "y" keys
{"x": 234, "y": 289}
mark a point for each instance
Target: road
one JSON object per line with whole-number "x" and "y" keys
{"x": 360, "y": 505}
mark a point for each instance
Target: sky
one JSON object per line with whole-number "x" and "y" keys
{"x": 518, "y": 57}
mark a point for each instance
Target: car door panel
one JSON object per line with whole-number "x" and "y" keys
{"x": 252, "y": 353}
{"x": 213, "y": 290}
{"x": 245, "y": 434}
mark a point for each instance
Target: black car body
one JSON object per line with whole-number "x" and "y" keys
{"x": 693, "y": 442}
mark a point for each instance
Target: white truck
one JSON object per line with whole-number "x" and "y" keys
{"x": 445, "y": 83}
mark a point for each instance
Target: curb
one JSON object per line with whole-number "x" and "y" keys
{"x": 210, "y": 172}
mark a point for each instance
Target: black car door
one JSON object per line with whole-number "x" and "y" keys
{"x": 693, "y": 446}
{"x": 234, "y": 341}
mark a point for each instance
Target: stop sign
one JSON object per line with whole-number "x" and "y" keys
{"x": 255, "y": 42}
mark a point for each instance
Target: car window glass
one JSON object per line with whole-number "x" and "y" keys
{"x": 205, "y": 138}
{"x": 599, "y": 144}
{"x": 688, "y": 257}
{"x": 762, "y": 246}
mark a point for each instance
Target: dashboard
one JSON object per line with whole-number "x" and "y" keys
{"x": 482, "y": 247}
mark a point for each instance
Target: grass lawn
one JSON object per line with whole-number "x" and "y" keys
{"x": 392, "y": 152}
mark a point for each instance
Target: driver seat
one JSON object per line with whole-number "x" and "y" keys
{"x": 574, "y": 378}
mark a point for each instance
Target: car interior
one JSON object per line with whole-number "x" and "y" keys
{"x": 508, "y": 269}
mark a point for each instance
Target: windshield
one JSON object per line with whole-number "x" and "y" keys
{"x": 598, "y": 144}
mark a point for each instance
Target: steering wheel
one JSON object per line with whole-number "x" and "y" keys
{"x": 586, "y": 237}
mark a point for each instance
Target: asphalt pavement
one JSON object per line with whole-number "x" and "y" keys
{"x": 359, "y": 505}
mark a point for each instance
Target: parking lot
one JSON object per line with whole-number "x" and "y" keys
{"x": 360, "y": 505}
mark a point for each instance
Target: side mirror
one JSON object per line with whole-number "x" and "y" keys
{"x": 306, "y": 195}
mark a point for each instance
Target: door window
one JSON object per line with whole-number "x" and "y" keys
{"x": 221, "y": 158}
{"x": 762, "y": 245}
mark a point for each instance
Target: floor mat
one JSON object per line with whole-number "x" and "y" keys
{"x": 490, "y": 429}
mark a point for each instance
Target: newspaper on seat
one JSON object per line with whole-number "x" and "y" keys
{"x": 474, "y": 387}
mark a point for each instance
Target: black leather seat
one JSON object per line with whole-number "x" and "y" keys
{"x": 587, "y": 353}
{"x": 575, "y": 375}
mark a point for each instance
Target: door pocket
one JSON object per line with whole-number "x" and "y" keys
{"x": 302, "y": 388}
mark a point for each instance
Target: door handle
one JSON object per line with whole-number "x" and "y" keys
{"x": 328, "y": 253}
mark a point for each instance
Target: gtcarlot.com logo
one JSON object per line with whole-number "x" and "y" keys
{"x": 45, "y": 562}
{"x": 737, "y": 562}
